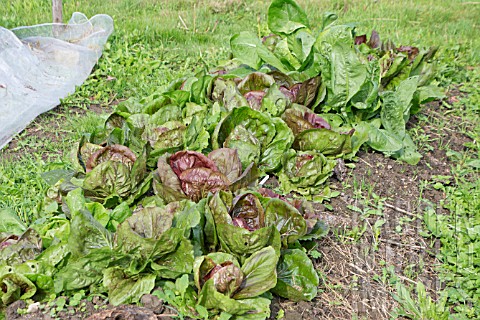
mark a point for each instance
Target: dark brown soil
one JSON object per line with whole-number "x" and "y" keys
{"x": 357, "y": 270}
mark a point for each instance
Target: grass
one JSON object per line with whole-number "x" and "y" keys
{"x": 157, "y": 41}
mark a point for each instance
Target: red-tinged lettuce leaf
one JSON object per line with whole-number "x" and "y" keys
{"x": 211, "y": 299}
{"x": 247, "y": 212}
{"x": 82, "y": 151}
{"x": 286, "y": 219}
{"x": 254, "y": 99}
{"x": 149, "y": 233}
{"x": 227, "y": 279}
{"x": 248, "y": 131}
{"x": 165, "y": 136}
{"x": 184, "y": 160}
{"x": 226, "y": 93}
{"x": 303, "y": 93}
{"x": 166, "y": 183}
{"x": 114, "y": 172}
{"x": 325, "y": 141}
{"x": 227, "y": 162}
{"x": 374, "y": 41}
{"x": 204, "y": 265}
{"x": 220, "y": 272}
{"x": 116, "y": 153}
{"x": 360, "y": 39}
{"x": 255, "y": 81}
{"x": 124, "y": 289}
{"x": 299, "y": 121}
{"x": 297, "y": 279}
{"x": 198, "y": 182}
{"x": 247, "y": 178}
{"x": 16, "y": 249}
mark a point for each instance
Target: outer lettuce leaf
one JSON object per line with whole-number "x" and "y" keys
{"x": 210, "y": 298}
{"x": 175, "y": 264}
{"x": 343, "y": 71}
{"x": 247, "y": 48}
{"x": 15, "y": 286}
{"x": 86, "y": 270}
{"x": 149, "y": 233}
{"x": 254, "y": 135}
{"x": 218, "y": 276}
{"x": 243, "y": 243}
{"x": 285, "y": 17}
{"x": 114, "y": 173}
{"x": 86, "y": 233}
{"x": 273, "y": 152}
{"x": 226, "y": 93}
{"x": 166, "y": 183}
{"x": 286, "y": 219}
{"x": 10, "y": 222}
{"x": 190, "y": 174}
{"x": 297, "y": 279}
{"x": 325, "y": 141}
{"x": 123, "y": 289}
{"x": 259, "y": 273}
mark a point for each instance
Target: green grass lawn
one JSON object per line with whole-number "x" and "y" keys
{"x": 155, "y": 42}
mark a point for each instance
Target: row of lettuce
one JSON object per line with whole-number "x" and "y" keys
{"x": 166, "y": 194}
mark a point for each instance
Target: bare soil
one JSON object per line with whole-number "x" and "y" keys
{"x": 354, "y": 268}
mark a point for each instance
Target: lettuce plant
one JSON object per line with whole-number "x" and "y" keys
{"x": 190, "y": 174}
{"x": 225, "y": 285}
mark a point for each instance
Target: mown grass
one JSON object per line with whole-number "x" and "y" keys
{"x": 157, "y": 41}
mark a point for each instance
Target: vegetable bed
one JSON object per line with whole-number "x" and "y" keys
{"x": 167, "y": 197}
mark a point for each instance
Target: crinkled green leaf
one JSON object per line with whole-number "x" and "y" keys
{"x": 242, "y": 243}
{"x": 247, "y": 130}
{"x": 86, "y": 233}
{"x": 304, "y": 172}
{"x": 123, "y": 289}
{"x": 273, "y": 152}
{"x": 396, "y": 107}
{"x": 174, "y": 264}
{"x": 343, "y": 71}
{"x": 86, "y": 270}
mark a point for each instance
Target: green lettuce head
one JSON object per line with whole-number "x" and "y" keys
{"x": 305, "y": 172}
